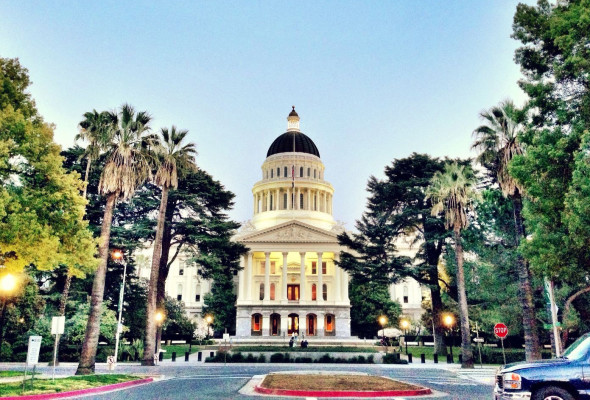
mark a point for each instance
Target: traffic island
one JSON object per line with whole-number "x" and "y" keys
{"x": 335, "y": 384}
{"x": 45, "y": 388}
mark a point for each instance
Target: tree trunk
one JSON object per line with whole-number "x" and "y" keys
{"x": 86, "y": 177}
{"x": 466, "y": 350}
{"x": 150, "y": 328}
{"x": 438, "y": 327}
{"x": 529, "y": 319}
{"x": 566, "y": 309}
{"x": 90, "y": 345}
{"x": 62, "y": 311}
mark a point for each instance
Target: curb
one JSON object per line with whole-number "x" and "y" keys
{"x": 343, "y": 393}
{"x": 81, "y": 392}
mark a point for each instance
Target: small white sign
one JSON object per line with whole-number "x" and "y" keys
{"x": 478, "y": 340}
{"x": 226, "y": 336}
{"x": 33, "y": 350}
{"x": 57, "y": 325}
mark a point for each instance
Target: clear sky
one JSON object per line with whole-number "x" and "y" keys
{"x": 371, "y": 80}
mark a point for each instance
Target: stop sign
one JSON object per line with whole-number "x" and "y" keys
{"x": 500, "y": 330}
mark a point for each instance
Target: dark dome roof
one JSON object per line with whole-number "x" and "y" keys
{"x": 284, "y": 144}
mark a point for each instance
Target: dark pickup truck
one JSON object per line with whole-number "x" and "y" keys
{"x": 564, "y": 378}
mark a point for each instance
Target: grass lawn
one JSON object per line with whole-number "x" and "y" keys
{"x": 311, "y": 349}
{"x": 63, "y": 384}
{"x": 180, "y": 349}
{"x": 9, "y": 374}
{"x": 333, "y": 382}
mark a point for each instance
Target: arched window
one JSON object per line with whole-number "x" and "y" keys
{"x": 301, "y": 172}
{"x": 406, "y": 296}
{"x": 198, "y": 293}
{"x": 314, "y": 294}
{"x": 261, "y": 291}
{"x": 272, "y": 173}
{"x": 325, "y": 291}
{"x": 179, "y": 293}
{"x": 285, "y": 172}
{"x": 285, "y": 201}
{"x": 257, "y": 324}
{"x": 314, "y": 172}
{"x": 329, "y": 325}
{"x": 271, "y": 199}
{"x": 301, "y": 201}
{"x": 308, "y": 172}
{"x": 272, "y": 291}
{"x": 278, "y": 172}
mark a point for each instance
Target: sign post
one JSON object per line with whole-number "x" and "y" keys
{"x": 32, "y": 355}
{"x": 501, "y": 331}
{"x": 479, "y": 342}
{"x": 57, "y": 328}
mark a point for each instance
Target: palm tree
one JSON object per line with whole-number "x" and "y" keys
{"x": 497, "y": 142}
{"x": 174, "y": 159}
{"x": 128, "y": 165}
{"x": 452, "y": 192}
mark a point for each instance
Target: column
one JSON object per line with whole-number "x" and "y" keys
{"x": 265, "y": 323}
{"x": 345, "y": 286}
{"x": 267, "y": 192}
{"x": 302, "y": 323}
{"x": 267, "y": 277}
{"x": 325, "y": 202}
{"x": 309, "y": 199}
{"x": 277, "y": 200}
{"x": 254, "y": 200}
{"x": 320, "y": 289}
{"x": 338, "y": 284}
{"x": 284, "y": 323}
{"x": 297, "y": 199}
{"x": 320, "y": 324}
{"x": 241, "y": 279}
{"x": 302, "y": 279}
{"x": 288, "y": 206}
{"x": 248, "y": 287}
{"x": 284, "y": 291}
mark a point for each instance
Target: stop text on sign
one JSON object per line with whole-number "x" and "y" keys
{"x": 501, "y": 330}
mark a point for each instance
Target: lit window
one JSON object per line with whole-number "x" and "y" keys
{"x": 324, "y": 268}
{"x": 314, "y": 268}
{"x": 256, "y": 322}
{"x": 273, "y": 267}
{"x": 314, "y": 294}
{"x": 329, "y": 323}
{"x": 325, "y": 291}
{"x": 272, "y": 291}
{"x": 262, "y": 291}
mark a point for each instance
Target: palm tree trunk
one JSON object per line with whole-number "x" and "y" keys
{"x": 150, "y": 328}
{"x": 86, "y": 174}
{"x": 62, "y": 311}
{"x": 437, "y": 306}
{"x": 529, "y": 319}
{"x": 90, "y": 345}
{"x": 466, "y": 350}
{"x": 164, "y": 266}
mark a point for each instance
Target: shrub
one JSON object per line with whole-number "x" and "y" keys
{"x": 277, "y": 358}
{"x": 393, "y": 358}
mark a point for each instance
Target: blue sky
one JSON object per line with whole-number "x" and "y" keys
{"x": 372, "y": 81}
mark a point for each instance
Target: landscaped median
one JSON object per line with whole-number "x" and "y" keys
{"x": 335, "y": 384}
{"x": 46, "y": 388}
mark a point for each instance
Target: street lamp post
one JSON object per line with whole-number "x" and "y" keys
{"x": 405, "y": 325}
{"x": 209, "y": 320}
{"x": 383, "y": 322}
{"x": 159, "y": 317}
{"x": 118, "y": 256}
{"x": 449, "y": 320}
{"x": 7, "y": 286}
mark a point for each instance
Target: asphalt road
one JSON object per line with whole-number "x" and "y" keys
{"x": 218, "y": 381}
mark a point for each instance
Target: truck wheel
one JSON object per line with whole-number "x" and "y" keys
{"x": 552, "y": 393}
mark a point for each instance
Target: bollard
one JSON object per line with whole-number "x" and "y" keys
{"x": 200, "y": 356}
{"x": 397, "y": 356}
{"x": 173, "y": 356}
{"x": 409, "y": 357}
{"x": 423, "y": 358}
{"x": 186, "y": 354}
{"x": 211, "y": 354}
{"x": 449, "y": 359}
{"x": 436, "y": 358}
{"x": 460, "y": 358}
{"x": 161, "y": 356}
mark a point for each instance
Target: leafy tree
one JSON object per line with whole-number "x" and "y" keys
{"x": 498, "y": 143}
{"x": 177, "y": 325}
{"x": 397, "y": 207}
{"x": 176, "y": 159}
{"x": 128, "y": 165}
{"x": 368, "y": 302}
{"x": 452, "y": 193}
{"x": 14, "y": 83}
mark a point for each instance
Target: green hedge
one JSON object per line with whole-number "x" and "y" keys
{"x": 393, "y": 358}
{"x": 288, "y": 358}
{"x": 311, "y": 349}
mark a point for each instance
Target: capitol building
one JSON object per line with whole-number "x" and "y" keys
{"x": 290, "y": 282}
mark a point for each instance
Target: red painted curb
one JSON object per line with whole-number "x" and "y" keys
{"x": 98, "y": 389}
{"x": 343, "y": 393}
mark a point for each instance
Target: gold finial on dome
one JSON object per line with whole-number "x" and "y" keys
{"x": 293, "y": 121}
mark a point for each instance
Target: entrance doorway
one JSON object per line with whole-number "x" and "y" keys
{"x": 311, "y": 324}
{"x": 275, "y": 324}
{"x": 293, "y": 292}
{"x": 293, "y": 324}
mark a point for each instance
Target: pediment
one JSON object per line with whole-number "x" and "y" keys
{"x": 290, "y": 232}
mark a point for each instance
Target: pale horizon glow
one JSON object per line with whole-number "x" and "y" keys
{"x": 372, "y": 81}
